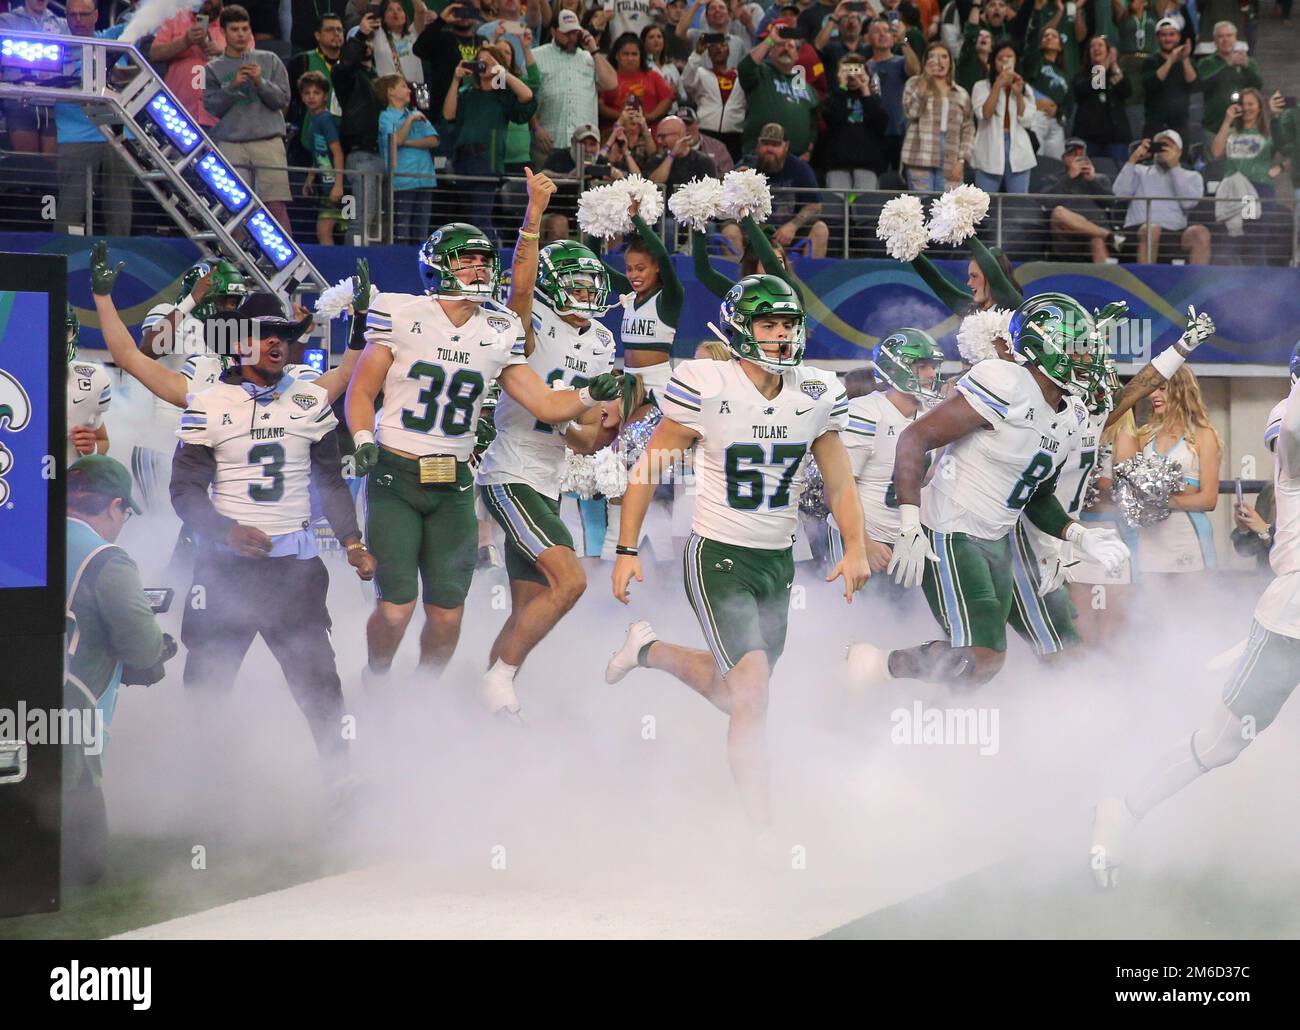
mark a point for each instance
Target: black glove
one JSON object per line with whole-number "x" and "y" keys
{"x": 148, "y": 677}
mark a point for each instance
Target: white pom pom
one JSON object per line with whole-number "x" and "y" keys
{"x": 979, "y": 330}
{"x": 602, "y": 211}
{"x": 954, "y": 215}
{"x": 696, "y": 203}
{"x": 337, "y": 299}
{"x": 902, "y": 227}
{"x": 610, "y": 472}
{"x": 745, "y": 192}
{"x": 646, "y": 194}
{"x": 579, "y": 476}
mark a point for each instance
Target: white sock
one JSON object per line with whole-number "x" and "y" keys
{"x": 502, "y": 670}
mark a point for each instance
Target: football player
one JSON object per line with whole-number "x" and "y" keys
{"x": 251, "y": 447}
{"x": 1266, "y": 674}
{"x": 89, "y": 393}
{"x": 752, "y": 421}
{"x": 519, "y": 478}
{"x": 433, "y": 356}
{"x": 1008, "y": 428}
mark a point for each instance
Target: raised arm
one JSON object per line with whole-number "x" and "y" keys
{"x": 1002, "y": 289}
{"x": 1161, "y": 368}
{"x": 954, "y": 297}
{"x": 707, "y": 276}
{"x": 335, "y": 381}
{"x": 523, "y": 269}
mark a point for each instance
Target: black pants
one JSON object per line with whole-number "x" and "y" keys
{"x": 283, "y": 599}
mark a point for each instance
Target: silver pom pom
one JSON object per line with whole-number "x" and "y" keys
{"x": 1143, "y": 485}
{"x": 634, "y": 436}
{"x": 1092, "y": 491}
{"x": 813, "y": 500}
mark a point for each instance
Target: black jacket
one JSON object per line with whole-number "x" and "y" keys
{"x": 354, "y": 85}
{"x": 857, "y": 130}
{"x": 1099, "y": 115}
{"x": 441, "y": 50}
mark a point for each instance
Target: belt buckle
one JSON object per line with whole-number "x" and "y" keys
{"x": 437, "y": 469}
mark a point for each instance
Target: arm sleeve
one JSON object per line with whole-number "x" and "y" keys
{"x": 617, "y": 280}
{"x": 1002, "y": 288}
{"x": 711, "y": 279}
{"x": 194, "y": 467}
{"x": 747, "y": 75}
{"x": 1288, "y": 442}
{"x": 955, "y": 298}
{"x": 766, "y": 254}
{"x": 670, "y": 300}
{"x": 1045, "y": 511}
{"x": 335, "y": 497}
{"x": 134, "y": 636}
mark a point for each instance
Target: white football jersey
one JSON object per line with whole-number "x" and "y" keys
{"x": 526, "y": 450}
{"x": 440, "y": 372}
{"x": 188, "y": 343}
{"x": 642, "y": 328}
{"x": 1278, "y": 609}
{"x": 750, "y": 458}
{"x": 872, "y": 438}
{"x": 302, "y": 373}
{"x": 90, "y": 391}
{"x": 263, "y": 450}
{"x": 203, "y": 371}
{"x": 986, "y": 478}
{"x": 1072, "y": 483}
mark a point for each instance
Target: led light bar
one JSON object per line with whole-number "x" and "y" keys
{"x": 173, "y": 123}
{"x": 223, "y": 183}
{"x": 30, "y": 53}
{"x": 270, "y": 240}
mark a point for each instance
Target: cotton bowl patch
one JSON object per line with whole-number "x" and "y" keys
{"x": 304, "y": 400}
{"x": 814, "y": 388}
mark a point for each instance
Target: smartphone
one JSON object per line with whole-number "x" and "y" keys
{"x": 714, "y": 37}
{"x": 1241, "y": 494}
{"x": 1070, "y": 10}
{"x": 160, "y": 599}
{"x": 859, "y": 8}
{"x": 317, "y": 359}
{"x": 1234, "y": 98}
{"x": 1242, "y": 46}
{"x": 788, "y": 32}
{"x": 201, "y": 20}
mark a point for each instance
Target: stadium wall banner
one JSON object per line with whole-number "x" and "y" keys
{"x": 851, "y": 303}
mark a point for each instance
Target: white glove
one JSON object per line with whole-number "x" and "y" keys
{"x": 1052, "y": 573}
{"x": 1199, "y": 329}
{"x": 1101, "y": 545}
{"x": 912, "y": 549}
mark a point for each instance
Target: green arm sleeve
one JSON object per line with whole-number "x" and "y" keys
{"x": 1045, "y": 511}
{"x": 1004, "y": 292}
{"x": 955, "y": 298}
{"x": 766, "y": 253}
{"x": 711, "y": 279}
{"x": 672, "y": 294}
{"x": 617, "y": 280}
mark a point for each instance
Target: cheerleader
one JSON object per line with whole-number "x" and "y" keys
{"x": 761, "y": 256}
{"x": 990, "y": 281}
{"x": 1180, "y": 430}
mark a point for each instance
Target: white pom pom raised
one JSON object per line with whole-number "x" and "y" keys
{"x": 901, "y": 227}
{"x": 337, "y": 299}
{"x": 605, "y": 211}
{"x": 975, "y": 338}
{"x": 745, "y": 192}
{"x": 954, "y": 215}
{"x": 696, "y": 204}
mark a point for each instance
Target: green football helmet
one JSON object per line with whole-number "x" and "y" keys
{"x": 897, "y": 354}
{"x": 226, "y": 293}
{"x": 1105, "y": 389}
{"x": 756, "y": 296}
{"x": 74, "y": 333}
{"x": 1058, "y": 336}
{"x": 566, "y": 266}
{"x": 440, "y": 257}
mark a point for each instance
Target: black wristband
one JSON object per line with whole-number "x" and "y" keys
{"x": 357, "y": 333}
{"x": 630, "y": 551}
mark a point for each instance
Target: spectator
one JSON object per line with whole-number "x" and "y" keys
{"x": 248, "y": 91}
{"x": 572, "y": 73}
{"x": 940, "y": 125}
{"x": 912, "y": 32}
{"x": 1210, "y": 14}
{"x": 638, "y": 140}
{"x": 707, "y": 145}
{"x": 677, "y": 48}
{"x": 891, "y": 73}
{"x": 714, "y": 86}
{"x": 115, "y": 632}
{"x": 407, "y": 140}
{"x": 321, "y": 58}
{"x": 1227, "y": 71}
{"x": 976, "y": 49}
{"x": 508, "y": 25}
{"x": 854, "y": 146}
{"x": 676, "y": 162}
{"x": 1052, "y": 15}
{"x": 1150, "y": 212}
{"x": 1086, "y": 215}
{"x": 1286, "y": 136}
{"x": 717, "y": 21}
{"x": 83, "y": 152}
{"x": 654, "y": 44}
{"x": 774, "y": 94}
{"x": 1004, "y": 110}
{"x": 1136, "y": 28}
{"x": 354, "y": 88}
{"x": 447, "y": 39}
{"x": 797, "y": 214}
{"x": 1046, "y": 73}
{"x": 31, "y": 126}
{"x": 1168, "y": 80}
{"x": 519, "y": 137}
{"x": 635, "y": 79}
{"x": 1004, "y": 25}
{"x": 1245, "y": 144}
{"x": 841, "y": 34}
{"x": 185, "y": 47}
{"x": 395, "y": 46}
{"x": 326, "y": 149}
{"x": 1100, "y": 119}
{"x": 632, "y": 16}
{"x": 1255, "y": 527}
{"x": 305, "y": 18}
{"x": 627, "y": 145}
{"x": 813, "y": 18}
{"x": 481, "y": 111}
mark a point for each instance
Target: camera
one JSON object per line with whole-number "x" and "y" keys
{"x": 477, "y": 67}
{"x": 1234, "y": 98}
{"x": 710, "y": 38}
{"x": 788, "y": 32}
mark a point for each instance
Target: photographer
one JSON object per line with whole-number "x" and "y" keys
{"x": 1151, "y": 176}
{"x": 676, "y": 162}
{"x": 855, "y": 150}
{"x": 940, "y": 125}
{"x": 712, "y": 85}
{"x": 1004, "y": 110}
{"x": 842, "y": 34}
{"x": 112, "y": 638}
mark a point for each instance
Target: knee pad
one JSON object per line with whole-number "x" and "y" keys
{"x": 1219, "y": 740}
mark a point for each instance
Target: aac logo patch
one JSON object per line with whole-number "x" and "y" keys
{"x": 304, "y": 400}
{"x": 498, "y": 323}
{"x": 814, "y": 388}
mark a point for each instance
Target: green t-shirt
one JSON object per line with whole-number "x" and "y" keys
{"x": 519, "y": 137}
{"x": 1219, "y": 80}
{"x": 482, "y": 116}
{"x": 775, "y": 97}
{"x": 1137, "y": 35}
{"x": 1249, "y": 152}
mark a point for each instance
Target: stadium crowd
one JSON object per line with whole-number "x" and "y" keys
{"x": 1125, "y": 115}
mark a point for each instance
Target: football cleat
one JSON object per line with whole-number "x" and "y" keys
{"x": 498, "y": 693}
{"x": 1111, "y": 825}
{"x": 623, "y": 661}
{"x": 868, "y": 665}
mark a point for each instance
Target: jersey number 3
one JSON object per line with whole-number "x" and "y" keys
{"x": 745, "y": 483}
{"x": 458, "y": 409}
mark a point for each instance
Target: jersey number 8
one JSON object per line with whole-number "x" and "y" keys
{"x": 457, "y": 411}
{"x": 1038, "y": 469}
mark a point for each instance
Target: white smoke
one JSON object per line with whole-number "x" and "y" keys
{"x": 152, "y": 13}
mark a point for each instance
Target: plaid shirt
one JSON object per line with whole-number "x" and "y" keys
{"x": 925, "y": 121}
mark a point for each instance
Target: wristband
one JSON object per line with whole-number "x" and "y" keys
{"x": 357, "y": 337}
{"x": 1167, "y": 362}
{"x": 357, "y": 546}
{"x": 524, "y": 234}
{"x": 588, "y": 401}
{"x": 187, "y": 305}
{"x": 362, "y": 437}
{"x": 631, "y": 552}
{"x": 909, "y": 517}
